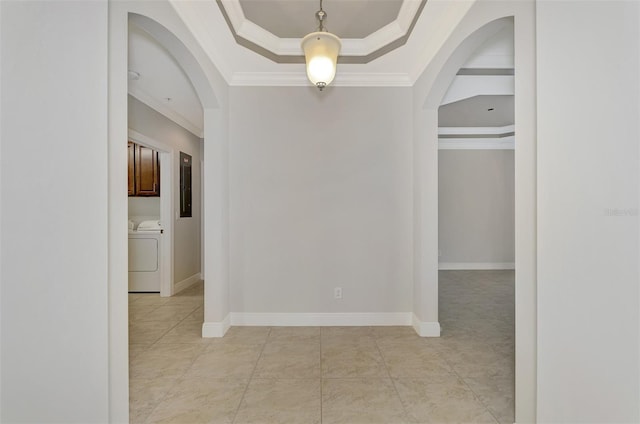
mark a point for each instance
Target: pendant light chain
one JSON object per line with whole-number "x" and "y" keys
{"x": 321, "y": 15}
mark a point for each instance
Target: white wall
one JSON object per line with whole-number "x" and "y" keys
{"x": 187, "y": 231}
{"x": 144, "y": 206}
{"x": 320, "y": 187}
{"x": 476, "y": 209}
{"x": 54, "y": 212}
{"x": 588, "y": 109}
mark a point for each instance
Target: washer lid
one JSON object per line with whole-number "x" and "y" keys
{"x": 153, "y": 225}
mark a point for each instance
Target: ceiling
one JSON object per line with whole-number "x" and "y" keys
{"x": 274, "y": 28}
{"x": 161, "y": 83}
{"x": 478, "y": 111}
{"x": 345, "y": 18}
{"x": 487, "y": 80}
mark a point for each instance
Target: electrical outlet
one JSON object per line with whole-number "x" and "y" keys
{"x": 337, "y": 292}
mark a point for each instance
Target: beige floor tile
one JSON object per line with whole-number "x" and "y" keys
{"x": 135, "y": 349}
{"x": 341, "y": 360}
{"x": 295, "y": 334}
{"x": 170, "y": 313}
{"x": 414, "y": 360}
{"x": 289, "y": 360}
{"x": 148, "y": 299}
{"x": 479, "y": 363}
{"x": 136, "y": 313}
{"x": 281, "y": 401}
{"x": 144, "y": 396}
{"x": 396, "y": 334}
{"x": 497, "y": 394}
{"x": 197, "y": 401}
{"x": 361, "y": 401}
{"x": 187, "y": 331}
{"x": 245, "y": 335}
{"x": 441, "y": 399}
{"x": 346, "y": 335}
{"x": 164, "y": 361}
{"x": 197, "y": 315}
{"x": 225, "y": 361}
{"x": 148, "y": 332}
{"x": 476, "y": 314}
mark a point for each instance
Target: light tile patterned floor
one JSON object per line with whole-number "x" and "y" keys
{"x": 327, "y": 375}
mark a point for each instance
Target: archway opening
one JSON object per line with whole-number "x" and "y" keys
{"x": 431, "y": 89}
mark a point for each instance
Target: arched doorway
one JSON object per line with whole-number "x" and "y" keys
{"x": 160, "y": 21}
{"x": 483, "y": 20}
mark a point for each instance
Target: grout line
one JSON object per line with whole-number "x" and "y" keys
{"x": 251, "y": 376}
{"x": 393, "y": 383}
{"x": 156, "y": 344}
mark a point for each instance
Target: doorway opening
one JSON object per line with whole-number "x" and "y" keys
{"x": 476, "y": 224}
{"x": 151, "y": 246}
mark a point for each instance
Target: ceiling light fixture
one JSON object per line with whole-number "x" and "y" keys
{"x": 321, "y": 50}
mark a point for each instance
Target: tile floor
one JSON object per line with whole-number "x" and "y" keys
{"x": 331, "y": 374}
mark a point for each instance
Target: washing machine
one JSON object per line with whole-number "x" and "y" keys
{"x": 145, "y": 257}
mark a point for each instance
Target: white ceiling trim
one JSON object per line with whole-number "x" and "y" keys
{"x": 504, "y": 143}
{"x": 481, "y": 142}
{"x": 476, "y": 130}
{"x": 238, "y": 65}
{"x": 350, "y": 46}
{"x": 466, "y": 86}
{"x": 165, "y": 110}
{"x": 299, "y": 79}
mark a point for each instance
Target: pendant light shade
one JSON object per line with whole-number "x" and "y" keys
{"x": 321, "y": 55}
{"x": 321, "y": 50}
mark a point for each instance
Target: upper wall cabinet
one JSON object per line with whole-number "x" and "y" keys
{"x": 131, "y": 149}
{"x": 144, "y": 171}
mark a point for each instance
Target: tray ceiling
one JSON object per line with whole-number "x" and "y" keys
{"x": 345, "y": 18}
{"x": 368, "y": 28}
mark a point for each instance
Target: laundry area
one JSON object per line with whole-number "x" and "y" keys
{"x": 145, "y": 228}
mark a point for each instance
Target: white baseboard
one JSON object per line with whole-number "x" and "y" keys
{"x": 475, "y": 265}
{"x": 186, "y": 283}
{"x": 216, "y": 329}
{"x": 320, "y": 319}
{"x": 426, "y": 328}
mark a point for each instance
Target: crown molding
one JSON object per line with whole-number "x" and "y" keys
{"x": 496, "y": 131}
{"x": 476, "y": 138}
{"x": 506, "y": 143}
{"x": 165, "y": 110}
{"x": 249, "y": 34}
{"x": 299, "y": 79}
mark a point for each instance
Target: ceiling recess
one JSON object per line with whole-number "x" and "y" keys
{"x": 368, "y": 28}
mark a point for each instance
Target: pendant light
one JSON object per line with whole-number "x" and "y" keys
{"x": 321, "y": 50}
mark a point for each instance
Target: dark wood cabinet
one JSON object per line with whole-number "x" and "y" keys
{"x": 144, "y": 171}
{"x": 131, "y": 148}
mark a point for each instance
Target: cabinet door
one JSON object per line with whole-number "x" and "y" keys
{"x": 131, "y": 149}
{"x": 147, "y": 172}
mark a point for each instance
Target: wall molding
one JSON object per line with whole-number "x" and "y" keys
{"x": 425, "y": 328}
{"x": 476, "y": 138}
{"x": 299, "y": 79}
{"x": 281, "y": 50}
{"x": 186, "y": 283}
{"x": 321, "y": 319}
{"x": 476, "y": 265}
{"x": 505, "y": 143}
{"x": 216, "y": 329}
{"x": 165, "y": 110}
